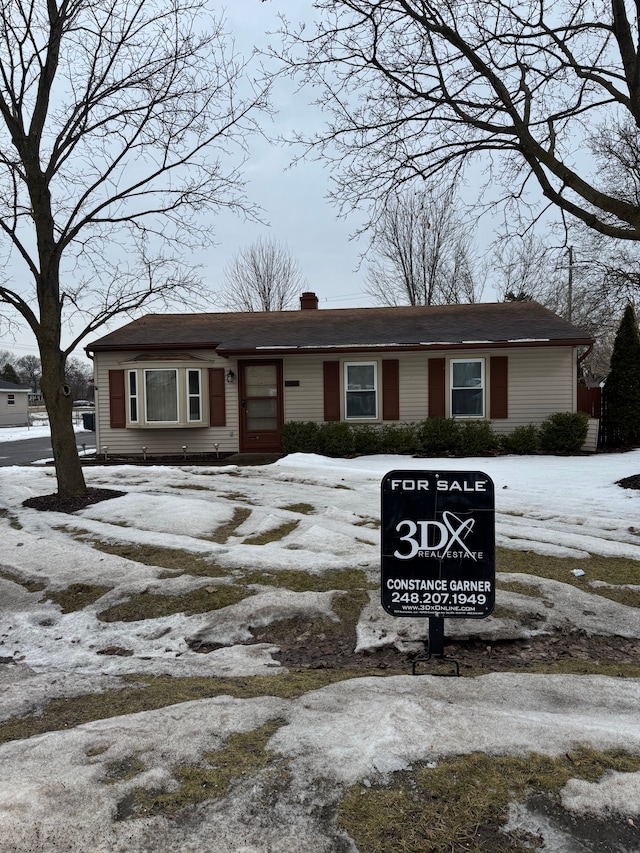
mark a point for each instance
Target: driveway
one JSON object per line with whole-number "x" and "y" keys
{"x": 29, "y": 450}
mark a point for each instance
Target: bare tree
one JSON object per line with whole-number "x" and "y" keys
{"x": 262, "y": 277}
{"x": 422, "y": 252}
{"x": 117, "y": 122}
{"x": 30, "y": 370}
{"x": 568, "y": 279}
{"x": 529, "y": 93}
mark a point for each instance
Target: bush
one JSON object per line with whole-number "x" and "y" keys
{"x": 476, "y": 438}
{"x": 523, "y": 440}
{"x": 300, "y": 437}
{"x": 564, "y": 432}
{"x": 399, "y": 438}
{"x": 367, "y": 439}
{"x": 439, "y": 435}
{"x": 336, "y": 438}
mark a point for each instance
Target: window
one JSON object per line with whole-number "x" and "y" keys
{"x": 11, "y": 399}
{"x": 133, "y": 396}
{"x": 361, "y": 390}
{"x": 467, "y": 388}
{"x": 164, "y": 397}
{"x": 161, "y": 396}
{"x": 194, "y": 396}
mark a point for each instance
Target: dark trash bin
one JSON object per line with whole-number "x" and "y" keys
{"x": 89, "y": 421}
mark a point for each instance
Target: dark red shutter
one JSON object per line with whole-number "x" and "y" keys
{"x": 499, "y": 390}
{"x": 391, "y": 389}
{"x": 217, "y": 400}
{"x": 331, "y": 374}
{"x": 117, "y": 401}
{"x": 437, "y": 407}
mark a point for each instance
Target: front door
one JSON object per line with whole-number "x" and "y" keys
{"x": 260, "y": 406}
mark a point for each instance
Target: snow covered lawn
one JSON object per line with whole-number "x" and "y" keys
{"x": 171, "y": 678}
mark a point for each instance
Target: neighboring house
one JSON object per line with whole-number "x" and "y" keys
{"x": 227, "y": 382}
{"x": 14, "y": 404}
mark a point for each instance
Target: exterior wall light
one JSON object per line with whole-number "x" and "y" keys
{"x": 230, "y": 376}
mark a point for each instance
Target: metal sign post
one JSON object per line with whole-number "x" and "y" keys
{"x": 438, "y": 548}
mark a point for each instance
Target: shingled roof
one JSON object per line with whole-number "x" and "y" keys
{"x": 405, "y": 328}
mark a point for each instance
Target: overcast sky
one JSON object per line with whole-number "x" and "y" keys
{"x": 296, "y": 211}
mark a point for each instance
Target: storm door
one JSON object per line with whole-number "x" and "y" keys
{"x": 260, "y": 406}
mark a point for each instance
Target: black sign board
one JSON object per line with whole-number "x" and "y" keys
{"x": 438, "y": 544}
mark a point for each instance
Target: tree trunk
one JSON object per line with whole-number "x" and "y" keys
{"x": 59, "y": 403}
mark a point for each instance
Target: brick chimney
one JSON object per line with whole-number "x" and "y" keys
{"x": 308, "y": 301}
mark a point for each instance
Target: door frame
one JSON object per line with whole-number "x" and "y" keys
{"x": 248, "y": 445}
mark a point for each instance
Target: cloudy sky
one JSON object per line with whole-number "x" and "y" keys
{"x": 296, "y": 211}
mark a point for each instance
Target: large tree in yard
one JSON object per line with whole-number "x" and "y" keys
{"x": 121, "y": 123}
{"x": 535, "y": 95}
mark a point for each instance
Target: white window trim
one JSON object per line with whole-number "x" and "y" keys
{"x": 11, "y": 399}
{"x": 483, "y": 387}
{"x": 345, "y": 374}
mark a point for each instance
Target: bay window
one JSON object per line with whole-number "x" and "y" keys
{"x": 164, "y": 397}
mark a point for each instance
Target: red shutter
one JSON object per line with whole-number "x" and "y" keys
{"x": 499, "y": 390}
{"x": 437, "y": 407}
{"x": 117, "y": 402}
{"x": 217, "y": 400}
{"x": 331, "y": 374}
{"x": 391, "y": 390}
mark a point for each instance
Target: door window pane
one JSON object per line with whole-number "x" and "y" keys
{"x": 261, "y": 380}
{"x": 262, "y": 414}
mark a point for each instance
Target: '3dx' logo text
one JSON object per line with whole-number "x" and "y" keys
{"x": 432, "y": 536}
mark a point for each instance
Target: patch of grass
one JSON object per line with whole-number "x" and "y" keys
{"x": 371, "y": 523}
{"x": 301, "y": 508}
{"x": 237, "y": 496}
{"x": 611, "y": 570}
{"x": 148, "y": 605}
{"x": 523, "y": 588}
{"x": 13, "y": 521}
{"x": 224, "y": 531}
{"x": 193, "y": 487}
{"x": 30, "y": 586}
{"x": 462, "y": 804}
{"x": 123, "y": 769}
{"x": 77, "y": 596}
{"x": 273, "y": 535}
{"x": 243, "y": 754}
{"x": 299, "y": 581}
{"x": 179, "y": 562}
{"x": 147, "y": 693}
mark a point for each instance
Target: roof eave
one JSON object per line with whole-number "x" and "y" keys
{"x": 298, "y": 350}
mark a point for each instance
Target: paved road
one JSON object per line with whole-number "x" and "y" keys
{"x": 29, "y": 450}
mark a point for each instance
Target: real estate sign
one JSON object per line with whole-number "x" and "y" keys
{"x": 438, "y": 544}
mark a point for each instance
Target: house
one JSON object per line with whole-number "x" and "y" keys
{"x": 14, "y": 404}
{"x": 226, "y": 382}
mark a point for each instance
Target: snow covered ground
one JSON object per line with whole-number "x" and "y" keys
{"x": 53, "y": 795}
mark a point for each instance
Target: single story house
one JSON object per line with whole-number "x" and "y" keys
{"x": 226, "y": 382}
{"x": 14, "y": 404}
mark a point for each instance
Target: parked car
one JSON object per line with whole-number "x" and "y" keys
{"x": 80, "y": 403}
